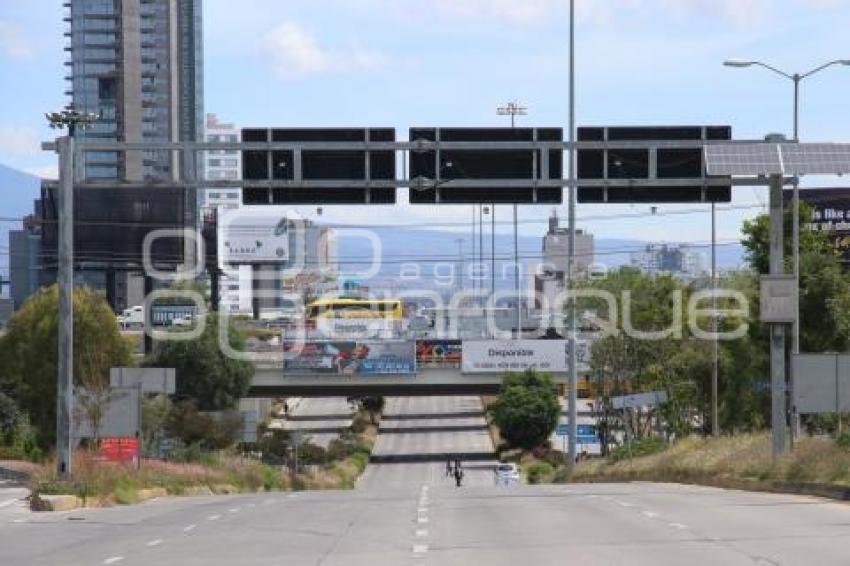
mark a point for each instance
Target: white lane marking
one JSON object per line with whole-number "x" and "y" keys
{"x": 649, "y": 514}
{"x": 420, "y": 549}
{"x": 189, "y": 528}
{"x": 234, "y": 510}
{"x": 19, "y": 521}
{"x": 422, "y": 510}
{"x": 213, "y": 517}
{"x": 625, "y": 504}
{"x": 423, "y": 520}
{"x": 422, "y": 533}
{"x": 113, "y": 560}
{"x": 156, "y": 542}
{"x": 7, "y": 503}
{"x": 679, "y": 526}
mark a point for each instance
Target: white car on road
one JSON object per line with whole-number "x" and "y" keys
{"x": 507, "y": 474}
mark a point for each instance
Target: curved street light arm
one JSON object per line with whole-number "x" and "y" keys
{"x": 824, "y": 66}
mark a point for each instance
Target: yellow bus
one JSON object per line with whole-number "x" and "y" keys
{"x": 388, "y": 309}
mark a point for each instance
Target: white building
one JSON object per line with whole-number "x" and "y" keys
{"x": 225, "y": 165}
{"x": 679, "y": 260}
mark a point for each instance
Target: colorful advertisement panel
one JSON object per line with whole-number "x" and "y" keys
{"x": 496, "y": 356}
{"x": 438, "y": 352}
{"x": 831, "y": 215}
{"x": 351, "y": 357}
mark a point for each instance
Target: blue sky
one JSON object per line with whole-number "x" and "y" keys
{"x": 406, "y": 63}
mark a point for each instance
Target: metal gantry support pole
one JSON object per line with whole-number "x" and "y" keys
{"x": 715, "y": 369}
{"x": 778, "y": 386}
{"x": 516, "y": 277}
{"x": 795, "y": 421}
{"x": 571, "y": 250}
{"x": 65, "y": 280}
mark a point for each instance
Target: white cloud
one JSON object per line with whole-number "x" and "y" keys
{"x": 19, "y": 142}
{"x": 50, "y": 171}
{"x": 13, "y": 43}
{"x": 295, "y": 53}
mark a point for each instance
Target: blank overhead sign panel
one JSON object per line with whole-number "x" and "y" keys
{"x": 649, "y": 164}
{"x": 318, "y": 175}
{"x": 447, "y": 175}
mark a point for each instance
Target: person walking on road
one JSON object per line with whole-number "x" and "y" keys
{"x": 449, "y": 466}
{"x": 458, "y": 476}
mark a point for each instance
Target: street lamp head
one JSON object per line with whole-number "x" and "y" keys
{"x": 845, "y": 62}
{"x": 738, "y": 63}
{"x": 70, "y": 119}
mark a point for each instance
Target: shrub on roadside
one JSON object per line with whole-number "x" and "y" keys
{"x": 539, "y": 472}
{"x": 643, "y": 447}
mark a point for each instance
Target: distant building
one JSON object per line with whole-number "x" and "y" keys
{"x": 224, "y": 165}
{"x": 138, "y": 64}
{"x": 550, "y": 276}
{"x": 679, "y": 260}
{"x": 25, "y": 262}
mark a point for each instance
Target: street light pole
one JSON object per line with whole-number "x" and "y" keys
{"x": 571, "y": 251}
{"x": 796, "y": 78}
{"x": 514, "y": 109}
{"x": 715, "y": 369}
{"x": 65, "y": 281}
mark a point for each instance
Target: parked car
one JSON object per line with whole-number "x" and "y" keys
{"x": 507, "y": 474}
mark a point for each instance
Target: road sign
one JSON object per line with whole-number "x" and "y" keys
{"x": 563, "y": 429}
{"x": 438, "y": 168}
{"x": 821, "y": 383}
{"x": 658, "y": 173}
{"x": 120, "y": 413}
{"x": 275, "y": 177}
{"x": 651, "y": 399}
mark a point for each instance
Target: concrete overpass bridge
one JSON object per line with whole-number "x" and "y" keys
{"x": 272, "y": 381}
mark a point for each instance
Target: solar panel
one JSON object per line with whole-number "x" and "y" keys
{"x": 816, "y": 158}
{"x": 743, "y": 159}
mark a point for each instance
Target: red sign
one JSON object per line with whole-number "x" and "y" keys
{"x": 123, "y": 450}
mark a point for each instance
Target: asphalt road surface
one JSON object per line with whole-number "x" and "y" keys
{"x": 406, "y": 511}
{"x": 320, "y": 420}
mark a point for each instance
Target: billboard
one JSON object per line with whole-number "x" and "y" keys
{"x": 251, "y": 237}
{"x": 486, "y": 164}
{"x": 334, "y": 175}
{"x": 680, "y": 172}
{"x": 439, "y": 352}
{"x": 111, "y": 224}
{"x": 351, "y": 357}
{"x": 830, "y": 214}
{"x": 496, "y": 356}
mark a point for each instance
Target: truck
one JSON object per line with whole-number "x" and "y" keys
{"x": 132, "y": 318}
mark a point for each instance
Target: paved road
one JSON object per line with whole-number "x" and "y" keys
{"x": 320, "y": 419}
{"x": 418, "y": 433}
{"x": 410, "y": 513}
{"x": 628, "y": 524}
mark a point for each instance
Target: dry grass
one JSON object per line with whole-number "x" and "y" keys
{"x": 730, "y": 460}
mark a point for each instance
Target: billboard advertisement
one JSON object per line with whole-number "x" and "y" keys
{"x": 831, "y": 215}
{"x": 439, "y": 352}
{"x": 251, "y": 237}
{"x": 351, "y": 357}
{"x": 495, "y": 356}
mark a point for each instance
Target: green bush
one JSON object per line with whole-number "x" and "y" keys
{"x": 844, "y": 440}
{"x": 527, "y": 410}
{"x": 539, "y": 472}
{"x": 643, "y": 447}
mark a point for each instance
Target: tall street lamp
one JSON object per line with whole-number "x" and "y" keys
{"x": 796, "y": 78}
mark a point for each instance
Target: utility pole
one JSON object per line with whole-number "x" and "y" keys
{"x": 778, "y": 386}
{"x": 65, "y": 279}
{"x": 571, "y": 251}
{"x": 715, "y": 369}
{"x": 514, "y": 109}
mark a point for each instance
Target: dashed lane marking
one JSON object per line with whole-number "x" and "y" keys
{"x": 679, "y": 526}
{"x": 189, "y": 528}
{"x": 649, "y": 514}
{"x": 420, "y": 549}
{"x": 213, "y": 517}
{"x": 113, "y": 560}
{"x": 156, "y": 542}
{"x": 422, "y": 520}
{"x": 422, "y": 533}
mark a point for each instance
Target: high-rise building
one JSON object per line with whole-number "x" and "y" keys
{"x": 222, "y": 165}
{"x": 25, "y": 262}
{"x": 139, "y": 65}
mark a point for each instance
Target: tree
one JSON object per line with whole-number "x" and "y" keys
{"x": 29, "y": 350}
{"x": 824, "y": 287}
{"x": 527, "y": 409}
{"x": 205, "y": 373}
